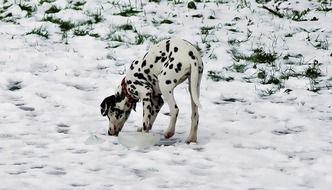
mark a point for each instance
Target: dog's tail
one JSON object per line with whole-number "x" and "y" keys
{"x": 195, "y": 80}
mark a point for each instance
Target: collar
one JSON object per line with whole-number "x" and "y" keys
{"x": 125, "y": 91}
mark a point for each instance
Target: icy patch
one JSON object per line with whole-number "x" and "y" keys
{"x": 138, "y": 139}
{"x": 94, "y": 139}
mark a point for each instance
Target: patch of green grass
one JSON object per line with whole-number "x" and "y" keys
{"x": 128, "y": 12}
{"x": 53, "y": 9}
{"x": 240, "y": 68}
{"x": 176, "y": 2}
{"x": 205, "y": 30}
{"x": 126, "y": 27}
{"x": 218, "y": 76}
{"x": 325, "y": 5}
{"x": 95, "y": 17}
{"x": 77, "y": 4}
{"x": 166, "y": 21}
{"x": 191, "y": 5}
{"x": 82, "y": 32}
{"x": 262, "y": 1}
{"x": 269, "y": 92}
{"x": 289, "y": 35}
{"x": 197, "y": 16}
{"x": 298, "y": 15}
{"x": 116, "y": 38}
{"x": 211, "y": 17}
{"x": 139, "y": 39}
{"x": 46, "y": 1}
{"x": 230, "y": 24}
{"x": 28, "y": 8}
{"x": 313, "y": 72}
{"x": 233, "y": 30}
{"x": 243, "y": 4}
{"x": 259, "y": 55}
{"x": 40, "y": 31}
{"x": 64, "y": 26}
{"x": 320, "y": 43}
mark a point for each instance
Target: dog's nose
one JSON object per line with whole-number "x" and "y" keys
{"x": 110, "y": 133}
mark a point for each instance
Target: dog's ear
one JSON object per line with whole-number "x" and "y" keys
{"x": 106, "y": 104}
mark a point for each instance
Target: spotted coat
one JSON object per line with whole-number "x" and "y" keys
{"x": 152, "y": 80}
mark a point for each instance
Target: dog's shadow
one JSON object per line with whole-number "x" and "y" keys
{"x": 167, "y": 142}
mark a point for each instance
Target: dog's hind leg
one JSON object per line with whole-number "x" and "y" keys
{"x": 167, "y": 92}
{"x": 194, "y": 111}
{"x": 194, "y": 123}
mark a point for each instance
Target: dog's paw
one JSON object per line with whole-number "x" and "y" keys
{"x": 168, "y": 134}
{"x": 191, "y": 140}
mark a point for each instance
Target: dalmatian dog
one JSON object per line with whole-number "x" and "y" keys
{"x": 152, "y": 80}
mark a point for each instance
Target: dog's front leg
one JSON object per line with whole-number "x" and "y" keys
{"x": 147, "y": 112}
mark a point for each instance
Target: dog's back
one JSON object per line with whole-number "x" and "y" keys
{"x": 171, "y": 60}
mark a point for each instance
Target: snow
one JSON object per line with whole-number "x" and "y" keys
{"x": 50, "y": 91}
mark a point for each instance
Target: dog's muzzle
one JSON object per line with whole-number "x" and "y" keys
{"x": 110, "y": 133}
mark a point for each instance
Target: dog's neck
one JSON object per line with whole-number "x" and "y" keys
{"x": 129, "y": 100}
{"x": 125, "y": 91}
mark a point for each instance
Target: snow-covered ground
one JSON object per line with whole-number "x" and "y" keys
{"x": 252, "y": 134}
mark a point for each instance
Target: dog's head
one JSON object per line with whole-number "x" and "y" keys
{"x": 117, "y": 109}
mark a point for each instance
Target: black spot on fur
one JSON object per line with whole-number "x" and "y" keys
{"x": 144, "y": 63}
{"x": 136, "y": 62}
{"x": 167, "y": 45}
{"x": 132, "y": 86}
{"x": 151, "y": 66}
{"x": 170, "y": 55}
{"x": 191, "y": 54}
{"x": 144, "y": 127}
{"x": 149, "y": 78}
{"x": 149, "y": 108}
{"x": 168, "y": 81}
{"x": 171, "y": 66}
{"x": 139, "y": 83}
{"x": 132, "y": 67}
{"x": 195, "y": 64}
{"x": 147, "y": 71}
{"x": 176, "y": 49}
{"x": 164, "y": 73}
{"x": 163, "y": 59}
{"x": 175, "y": 81}
{"x": 129, "y": 82}
{"x": 157, "y": 59}
{"x": 200, "y": 70}
{"x": 171, "y": 59}
{"x": 139, "y": 76}
{"x": 178, "y": 67}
